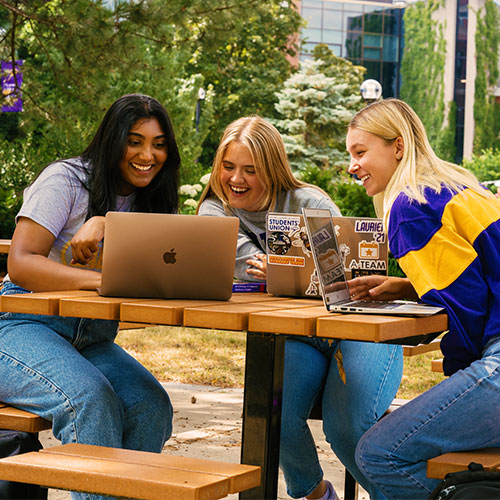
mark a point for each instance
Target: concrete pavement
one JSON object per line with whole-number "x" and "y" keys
{"x": 207, "y": 424}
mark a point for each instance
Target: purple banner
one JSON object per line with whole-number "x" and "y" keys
{"x": 11, "y": 86}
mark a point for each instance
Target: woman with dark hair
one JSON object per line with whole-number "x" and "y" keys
{"x": 69, "y": 370}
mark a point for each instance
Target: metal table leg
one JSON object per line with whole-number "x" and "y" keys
{"x": 262, "y": 410}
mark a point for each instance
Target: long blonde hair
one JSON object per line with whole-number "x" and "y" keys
{"x": 268, "y": 154}
{"x": 419, "y": 167}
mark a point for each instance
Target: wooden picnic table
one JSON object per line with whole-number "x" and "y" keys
{"x": 268, "y": 320}
{"x": 4, "y": 246}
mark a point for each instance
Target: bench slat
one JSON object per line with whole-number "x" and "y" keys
{"x": 19, "y": 420}
{"x": 241, "y": 477}
{"x": 126, "y": 473}
{"x": 413, "y": 350}
{"x": 438, "y": 467}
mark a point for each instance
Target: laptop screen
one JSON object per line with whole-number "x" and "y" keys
{"x": 327, "y": 258}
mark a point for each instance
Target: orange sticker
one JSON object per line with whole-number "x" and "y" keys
{"x": 286, "y": 260}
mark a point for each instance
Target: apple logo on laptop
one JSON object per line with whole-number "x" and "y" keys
{"x": 169, "y": 257}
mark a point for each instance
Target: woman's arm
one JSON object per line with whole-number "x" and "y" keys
{"x": 30, "y": 267}
{"x": 376, "y": 287}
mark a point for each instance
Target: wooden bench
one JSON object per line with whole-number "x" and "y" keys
{"x": 437, "y": 365}
{"x": 15, "y": 419}
{"x": 438, "y": 467}
{"x": 127, "y": 473}
{"x": 414, "y": 350}
{"x": 4, "y": 246}
{"x": 118, "y": 472}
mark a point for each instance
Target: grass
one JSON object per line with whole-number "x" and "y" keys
{"x": 212, "y": 357}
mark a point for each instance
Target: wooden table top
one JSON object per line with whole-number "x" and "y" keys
{"x": 256, "y": 312}
{"x": 4, "y": 246}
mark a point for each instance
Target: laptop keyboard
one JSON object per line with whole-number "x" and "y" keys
{"x": 372, "y": 305}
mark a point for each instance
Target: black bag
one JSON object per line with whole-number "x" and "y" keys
{"x": 472, "y": 484}
{"x": 15, "y": 443}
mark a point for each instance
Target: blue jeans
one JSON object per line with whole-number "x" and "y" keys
{"x": 70, "y": 371}
{"x": 461, "y": 413}
{"x": 373, "y": 374}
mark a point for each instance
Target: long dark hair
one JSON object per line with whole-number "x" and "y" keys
{"x": 107, "y": 149}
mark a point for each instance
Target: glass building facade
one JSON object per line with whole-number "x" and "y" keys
{"x": 369, "y": 34}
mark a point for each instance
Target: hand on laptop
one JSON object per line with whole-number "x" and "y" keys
{"x": 376, "y": 287}
{"x": 85, "y": 243}
{"x": 258, "y": 265}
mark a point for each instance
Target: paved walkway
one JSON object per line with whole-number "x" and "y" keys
{"x": 207, "y": 424}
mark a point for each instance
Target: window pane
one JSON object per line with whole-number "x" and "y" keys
{"x": 390, "y": 49}
{"x": 311, "y": 35}
{"x": 354, "y": 7}
{"x": 312, "y": 3}
{"x": 336, "y": 49}
{"x": 372, "y": 8}
{"x": 353, "y": 46}
{"x": 352, "y": 21}
{"x": 391, "y": 25}
{"x": 332, "y": 36}
{"x": 332, "y": 19}
{"x": 373, "y": 23}
{"x": 372, "y": 70}
{"x": 371, "y": 54}
{"x": 372, "y": 41}
{"x": 332, "y": 6}
{"x": 313, "y": 17}
{"x": 389, "y": 81}
{"x": 308, "y": 47}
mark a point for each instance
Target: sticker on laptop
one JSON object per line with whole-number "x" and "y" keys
{"x": 286, "y": 260}
{"x": 285, "y": 232}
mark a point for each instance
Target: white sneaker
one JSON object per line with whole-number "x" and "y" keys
{"x": 330, "y": 493}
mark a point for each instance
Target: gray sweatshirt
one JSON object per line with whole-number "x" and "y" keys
{"x": 252, "y": 233}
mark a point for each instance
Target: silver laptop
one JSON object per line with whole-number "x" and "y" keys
{"x": 330, "y": 269}
{"x": 168, "y": 256}
{"x": 290, "y": 264}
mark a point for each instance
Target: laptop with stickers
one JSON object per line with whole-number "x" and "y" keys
{"x": 330, "y": 268}
{"x": 362, "y": 245}
{"x": 290, "y": 265}
{"x": 168, "y": 256}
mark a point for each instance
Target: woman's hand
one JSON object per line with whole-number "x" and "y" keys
{"x": 376, "y": 287}
{"x": 258, "y": 266}
{"x": 85, "y": 242}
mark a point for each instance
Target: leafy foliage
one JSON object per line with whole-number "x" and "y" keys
{"x": 486, "y": 109}
{"x": 246, "y": 58}
{"x": 422, "y": 72}
{"x": 81, "y": 55}
{"x": 315, "y": 107}
{"x": 485, "y": 165}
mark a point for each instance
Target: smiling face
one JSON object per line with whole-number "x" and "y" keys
{"x": 145, "y": 154}
{"x": 373, "y": 160}
{"x": 240, "y": 183}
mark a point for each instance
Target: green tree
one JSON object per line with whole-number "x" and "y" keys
{"x": 422, "y": 72}
{"x": 315, "y": 107}
{"x": 486, "y": 109}
{"x": 80, "y": 55}
{"x": 246, "y": 58}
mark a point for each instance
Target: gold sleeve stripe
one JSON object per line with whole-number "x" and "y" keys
{"x": 449, "y": 252}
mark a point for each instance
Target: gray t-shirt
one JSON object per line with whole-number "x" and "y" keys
{"x": 252, "y": 233}
{"x": 58, "y": 200}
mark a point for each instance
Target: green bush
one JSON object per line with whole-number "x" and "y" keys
{"x": 486, "y": 165}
